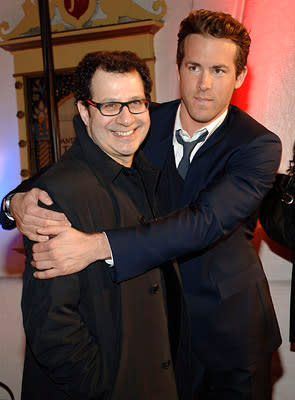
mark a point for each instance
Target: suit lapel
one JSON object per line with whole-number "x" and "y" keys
{"x": 194, "y": 181}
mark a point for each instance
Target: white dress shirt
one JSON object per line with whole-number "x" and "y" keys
{"x": 178, "y": 148}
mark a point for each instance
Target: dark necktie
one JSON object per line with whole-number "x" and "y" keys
{"x": 187, "y": 149}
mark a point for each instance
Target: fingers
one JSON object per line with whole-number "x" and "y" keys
{"x": 43, "y": 264}
{"x": 45, "y": 250}
{"x": 50, "y": 217}
{"x": 30, "y": 232}
{"x": 47, "y": 274}
{"x": 38, "y": 230}
{"x": 16, "y": 204}
{"x": 29, "y": 226}
{"x": 44, "y": 197}
{"x": 52, "y": 230}
{"x": 43, "y": 217}
{"x": 35, "y": 237}
{"x": 69, "y": 251}
{"x": 24, "y": 206}
{"x": 29, "y": 216}
{"x": 56, "y": 252}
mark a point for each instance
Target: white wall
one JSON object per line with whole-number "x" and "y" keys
{"x": 274, "y": 38}
{"x": 9, "y": 153}
{"x": 12, "y": 340}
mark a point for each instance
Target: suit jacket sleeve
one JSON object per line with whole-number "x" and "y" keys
{"x": 57, "y": 335}
{"x": 225, "y": 203}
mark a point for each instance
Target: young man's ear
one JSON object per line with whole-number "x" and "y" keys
{"x": 84, "y": 112}
{"x": 240, "y": 78}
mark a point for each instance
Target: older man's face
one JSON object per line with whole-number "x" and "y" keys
{"x": 121, "y": 135}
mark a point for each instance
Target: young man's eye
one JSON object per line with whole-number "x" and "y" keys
{"x": 193, "y": 67}
{"x": 219, "y": 71}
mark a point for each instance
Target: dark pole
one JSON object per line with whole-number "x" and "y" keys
{"x": 45, "y": 30}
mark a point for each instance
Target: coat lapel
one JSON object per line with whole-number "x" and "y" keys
{"x": 199, "y": 167}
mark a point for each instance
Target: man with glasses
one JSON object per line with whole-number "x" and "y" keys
{"x": 88, "y": 337}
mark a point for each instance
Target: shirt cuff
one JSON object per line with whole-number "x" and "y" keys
{"x": 109, "y": 261}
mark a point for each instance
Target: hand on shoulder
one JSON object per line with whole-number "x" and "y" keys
{"x": 29, "y": 216}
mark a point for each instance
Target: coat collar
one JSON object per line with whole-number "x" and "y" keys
{"x": 159, "y": 140}
{"x": 84, "y": 148}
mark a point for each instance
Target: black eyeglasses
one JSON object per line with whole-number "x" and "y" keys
{"x": 109, "y": 109}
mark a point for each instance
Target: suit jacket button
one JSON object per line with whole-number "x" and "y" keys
{"x": 166, "y": 364}
{"x": 155, "y": 288}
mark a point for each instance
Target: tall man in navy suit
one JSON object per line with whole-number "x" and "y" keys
{"x": 211, "y": 192}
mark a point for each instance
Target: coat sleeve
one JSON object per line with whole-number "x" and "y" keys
{"x": 57, "y": 335}
{"x": 225, "y": 203}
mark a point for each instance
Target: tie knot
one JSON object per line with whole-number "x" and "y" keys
{"x": 189, "y": 146}
{"x": 187, "y": 149}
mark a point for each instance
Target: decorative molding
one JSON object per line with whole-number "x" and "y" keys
{"x": 77, "y": 14}
{"x": 87, "y": 34}
{"x": 29, "y": 25}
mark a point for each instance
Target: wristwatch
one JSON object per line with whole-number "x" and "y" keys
{"x": 6, "y": 206}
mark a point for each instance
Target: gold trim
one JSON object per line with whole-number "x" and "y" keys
{"x": 113, "y": 9}
{"x": 29, "y": 22}
{"x": 87, "y": 34}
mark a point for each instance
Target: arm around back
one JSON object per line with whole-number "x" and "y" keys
{"x": 235, "y": 193}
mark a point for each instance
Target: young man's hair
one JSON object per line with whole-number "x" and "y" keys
{"x": 109, "y": 61}
{"x": 219, "y": 25}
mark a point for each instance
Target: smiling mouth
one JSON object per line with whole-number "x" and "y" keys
{"x": 124, "y": 133}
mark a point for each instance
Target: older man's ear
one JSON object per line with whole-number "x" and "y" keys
{"x": 84, "y": 112}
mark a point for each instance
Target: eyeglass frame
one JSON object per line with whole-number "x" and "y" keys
{"x": 123, "y": 104}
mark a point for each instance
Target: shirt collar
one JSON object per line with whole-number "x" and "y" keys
{"x": 210, "y": 127}
{"x": 85, "y": 148}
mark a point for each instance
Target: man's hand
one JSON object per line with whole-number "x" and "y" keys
{"x": 29, "y": 216}
{"x": 68, "y": 251}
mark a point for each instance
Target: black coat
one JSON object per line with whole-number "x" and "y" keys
{"x": 88, "y": 337}
{"x": 233, "y": 320}
{"x": 277, "y": 216}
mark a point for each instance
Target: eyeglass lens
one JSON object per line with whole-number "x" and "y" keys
{"x": 134, "y": 106}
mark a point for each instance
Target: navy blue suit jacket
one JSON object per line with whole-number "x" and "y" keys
{"x": 233, "y": 320}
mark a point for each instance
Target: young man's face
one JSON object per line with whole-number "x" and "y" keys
{"x": 118, "y": 136}
{"x": 207, "y": 78}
